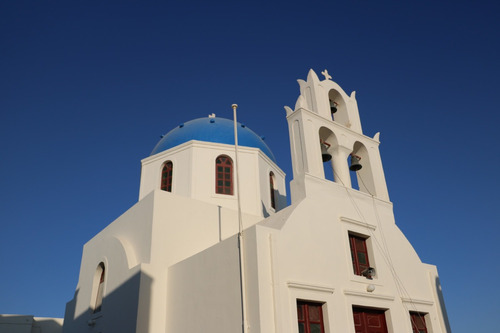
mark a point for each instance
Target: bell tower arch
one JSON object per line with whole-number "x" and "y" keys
{"x": 325, "y": 129}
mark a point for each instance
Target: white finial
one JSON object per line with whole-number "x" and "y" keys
{"x": 211, "y": 115}
{"x": 234, "y": 106}
{"x": 326, "y": 75}
{"x": 288, "y": 110}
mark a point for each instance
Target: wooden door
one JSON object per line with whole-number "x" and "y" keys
{"x": 369, "y": 320}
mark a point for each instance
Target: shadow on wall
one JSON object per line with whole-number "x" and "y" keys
{"x": 442, "y": 306}
{"x": 29, "y": 324}
{"x": 265, "y": 213}
{"x": 219, "y": 210}
{"x": 281, "y": 203}
{"x": 125, "y": 309}
{"x": 204, "y": 291}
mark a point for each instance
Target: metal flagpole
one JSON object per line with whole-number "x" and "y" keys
{"x": 240, "y": 227}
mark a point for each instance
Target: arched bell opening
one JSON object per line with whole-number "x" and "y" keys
{"x": 338, "y": 107}
{"x": 328, "y": 145}
{"x": 361, "y": 169}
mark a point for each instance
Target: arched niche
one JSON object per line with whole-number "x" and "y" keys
{"x": 364, "y": 176}
{"x": 329, "y": 144}
{"x": 340, "y": 116}
{"x": 98, "y": 287}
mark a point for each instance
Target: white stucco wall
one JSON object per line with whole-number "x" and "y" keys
{"x": 307, "y": 256}
{"x": 29, "y": 324}
{"x": 203, "y": 293}
{"x": 194, "y": 175}
{"x": 137, "y": 249}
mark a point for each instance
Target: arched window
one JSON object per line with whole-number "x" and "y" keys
{"x": 99, "y": 278}
{"x": 272, "y": 190}
{"x": 166, "y": 176}
{"x": 224, "y": 175}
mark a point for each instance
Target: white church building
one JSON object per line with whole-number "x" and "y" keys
{"x": 212, "y": 246}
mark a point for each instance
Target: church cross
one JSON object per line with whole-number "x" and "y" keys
{"x": 327, "y": 76}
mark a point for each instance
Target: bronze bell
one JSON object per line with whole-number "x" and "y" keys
{"x": 325, "y": 155}
{"x": 333, "y": 107}
{"x": 355, "y": 166}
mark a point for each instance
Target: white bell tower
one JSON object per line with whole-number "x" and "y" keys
{"x": 326, "y": 121}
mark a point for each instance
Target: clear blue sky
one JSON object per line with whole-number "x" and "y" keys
{"x": 88, "y": 87}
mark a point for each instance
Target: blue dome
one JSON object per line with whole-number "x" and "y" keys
{"x": 219, "y": 130}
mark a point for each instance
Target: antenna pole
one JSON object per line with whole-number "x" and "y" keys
{"x": 240, "y": 227}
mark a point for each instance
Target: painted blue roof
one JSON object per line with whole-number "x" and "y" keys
{"x": 219, "y": 130}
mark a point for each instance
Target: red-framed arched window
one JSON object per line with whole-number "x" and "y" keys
{"x": 166, "y": 176}
{"x": 272, "y": 190}
{"x": 224, "y": 175}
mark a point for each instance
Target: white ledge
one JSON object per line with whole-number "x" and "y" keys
{"x": 307, "y": 286}
{"x": 356, "y": 222}
{"x": 369, "y": 295}
{"x": 416, "y": 301}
